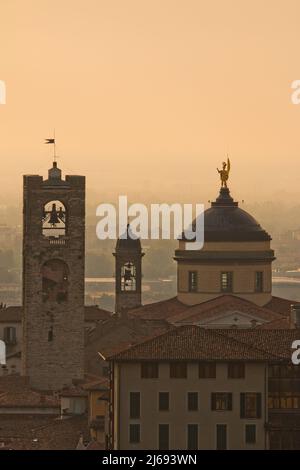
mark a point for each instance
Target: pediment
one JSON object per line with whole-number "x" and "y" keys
{"x": 234, "y": 318}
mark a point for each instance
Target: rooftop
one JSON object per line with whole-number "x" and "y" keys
{"x": 192, "y": 343}
{"x": 42, "y": 432}
{"x": 174, "y": 311}
{"x": 13, "y": 314}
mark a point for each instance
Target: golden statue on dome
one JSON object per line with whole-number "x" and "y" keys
{"x": 224, "y": 173}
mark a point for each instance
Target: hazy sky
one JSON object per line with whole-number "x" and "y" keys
{"x": 152, "y": 94}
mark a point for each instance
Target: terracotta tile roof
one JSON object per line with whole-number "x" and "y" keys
{"x": 275, "y": 342}
{"x": 14, "y": 314}
{"x": 280, "y": 305}
{"x": 158, "y": 310}
{"x": 115, "y": 335}
{"x": 278, "y": 324}
{"x": 42, "y": 432}
{"x": 73, "y": 391}
{"x": 95, "y": 313}
{"x": 174, "y": 311}
{"x": 11, "y": 314}
{"x": 16, "y": 393}
{"x": 99, "y": 385}
{"x": 220, "y": 306}
{"x": 189, "y": 343}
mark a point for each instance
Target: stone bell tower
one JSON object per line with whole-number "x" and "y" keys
{"x": 128, "y": 272}
{"x": 53, "y": 279}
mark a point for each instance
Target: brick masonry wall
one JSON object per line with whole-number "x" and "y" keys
{"x": 52, "y": 365}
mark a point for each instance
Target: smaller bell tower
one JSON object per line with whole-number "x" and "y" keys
{"x": 128, "y": 273}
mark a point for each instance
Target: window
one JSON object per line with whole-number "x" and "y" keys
{"x": 221, "y": 401}
{"x": 193, "y": 281}
{"x": 55, "y": 281}
{"x": 221, "y": 436}
{"x": 250, "y": 433}
{"x": 251, "y": 405}
{"x": 284, "y": 371}
{"x": 192, "y": 436}
{"x": 9, "y": 335}
{"x": 163, "y": 437}
{"x": 207, "y": 370}
{"x": 178, "y": 370}
{"x": 134, "y": 433}
{"x": 259, "y": 281}
{"x": 134, "y": 405}
{"x": 236, "y": 370}
{"x": 226, "y": 281}
{"x": 149, "y": 370}
{"x": 192, "y": 401}
{"x": 163, "y": 401}
{"x": 284, "y": 401}
{"x": 50, "y": 334}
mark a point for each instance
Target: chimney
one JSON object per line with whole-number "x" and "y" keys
{"x": 295, "y": 316}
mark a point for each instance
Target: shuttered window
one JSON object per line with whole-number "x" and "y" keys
{"x": 134, "y": 405}
{"x": 149, "y": 370}
{"x": 163, "y": 437}
{"x": 221, "y": 401}
{"x": 250, "y": 403}
{"x": 192, "y": 437}
{"x": 163, "y": 401}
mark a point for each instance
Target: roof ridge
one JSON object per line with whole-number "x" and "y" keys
{"x": 251, "y": 346}
{"x": 208, "y": 332}
{"x": 181, "y": 315}
{"x": 135, "y": 309}
{"x": 148, "y": 339}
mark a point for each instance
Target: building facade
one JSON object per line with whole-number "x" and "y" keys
{"x": 189, "y": 388}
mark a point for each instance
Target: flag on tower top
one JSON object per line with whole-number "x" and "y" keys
{"x": 49, "y": 141}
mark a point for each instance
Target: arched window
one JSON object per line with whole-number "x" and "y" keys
{"x": 128, "y": 277}
{"x": 55, "y": 281}
{"x": 54, "y": 219}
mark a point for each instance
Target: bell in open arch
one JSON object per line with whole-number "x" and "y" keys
{"x": 53, "y": 216}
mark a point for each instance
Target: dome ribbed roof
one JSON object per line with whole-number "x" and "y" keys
{"x": 225, "y": 221}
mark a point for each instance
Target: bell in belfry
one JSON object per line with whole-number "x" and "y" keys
{"x": 53, "y": 216}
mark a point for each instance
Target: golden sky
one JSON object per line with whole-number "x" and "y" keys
{"x": 151, "y": 94}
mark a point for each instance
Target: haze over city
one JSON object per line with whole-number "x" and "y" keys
{"x": 147, "y": 99}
